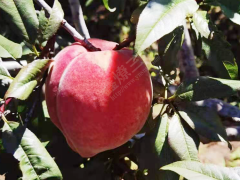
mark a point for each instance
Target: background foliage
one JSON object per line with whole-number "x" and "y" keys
{"x": 184, "y": 113}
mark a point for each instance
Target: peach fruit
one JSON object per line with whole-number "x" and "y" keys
{"x": 99, "y": 100}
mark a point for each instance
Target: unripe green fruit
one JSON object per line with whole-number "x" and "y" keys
{"x": 99, "y": 100}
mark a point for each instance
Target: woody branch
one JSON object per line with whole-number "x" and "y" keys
{"x": 77, "y": 37}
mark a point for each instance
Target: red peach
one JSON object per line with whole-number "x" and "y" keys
{"x": 99, "y": 100}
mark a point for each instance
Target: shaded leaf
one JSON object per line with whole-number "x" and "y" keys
{"x": 27, "y": 79}
{"x": 217, "y": 49}
{"x": 136, "y": 13}
{"x": 49, "y": 26}
{"x": 197, "y": 171}
{"x": 182, "y": 139}
{"x": 231, "y": 9}
{"x": 9, "y": 49}
{"x": 204, "y": 121}
{"x": 159, "y": 18}
{"x": 105, "y": 2}
{"x": 22, "y": 18}
{"x": 153, "y": 152}
{"x": 200, "y": 88}
{"x": 168, "y": 47}
{"x": 35, "y": 161}
{"x": 221, "y": 58}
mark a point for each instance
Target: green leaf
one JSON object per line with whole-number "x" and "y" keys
{"x": 231, "y": 9}
{"x": 35, "y": 161}
{"x": 153, "y": 152}
{"x": 5, "y": 79}
{"x": 237, "y": 170}
{"x": 203, "y": 24}
{"x": 159, "y": 18}
{"x": 217, "y": 49}
{"x": 105, "y": 2}
{"x": 182, "y": 139}
{"x": 204, "y": 121}
{"x": 9, "y": 49}
{"x": 21, "y": 16}
{"x": 49, "y": 27}
{"x": 45, "y": 109}
{"x": 4, "y": 74}
{"x": 200, "y": 88}
{"x": 27, "y": 79}
{"x": 197, "y": 171}
{"x": 136, "y": 13}
{"x": 26, "y": 50}
{"x": 168, "y": 47}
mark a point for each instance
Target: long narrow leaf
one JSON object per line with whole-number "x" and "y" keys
{"x": 197, "y": 171}
{"x": 9, "y": 49}
{"x": 201, "y": 88}
{"x": 217, "y": 49}
{"x": 159, "y": 18}
{"x": 27, "y": 79}
{"x": 153, "y": 152}
{"x": 22, "y": 18}
{"x": 49, "y": 26}
{"x": 35, "y": 161}
{"x": 105, "y": 2}
{"x": 182, "y": 140}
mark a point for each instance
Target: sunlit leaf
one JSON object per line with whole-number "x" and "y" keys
{"x": 159, "y": 18}
{"x": 197, "y": 171}
{"x": 21, "y": 16}
{"x": 201, "y": 22}
{"x": 105, "y": 2}
{"x": 35, "y": 161}
{"x": 9, "y": 49}
{"x": 182, "y": 140}
{"x": 4, "y": 74}
{"x": 27, "y": 79}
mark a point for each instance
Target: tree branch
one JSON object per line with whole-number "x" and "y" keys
{"x": 77, "y": 37}
{"x": 78, "y": 18}
{"x": 125, "y": 43}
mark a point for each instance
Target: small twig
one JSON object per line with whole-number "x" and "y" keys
{"x": 78, "y": 18}
{"x": 77, "y": 37}
{"x": 46, "y": 52}
{"x": 2, "y": 108}
{"x": 31, "y": 111}
{"x": 186, "y": 58}
{"x": 125, "y": 43}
